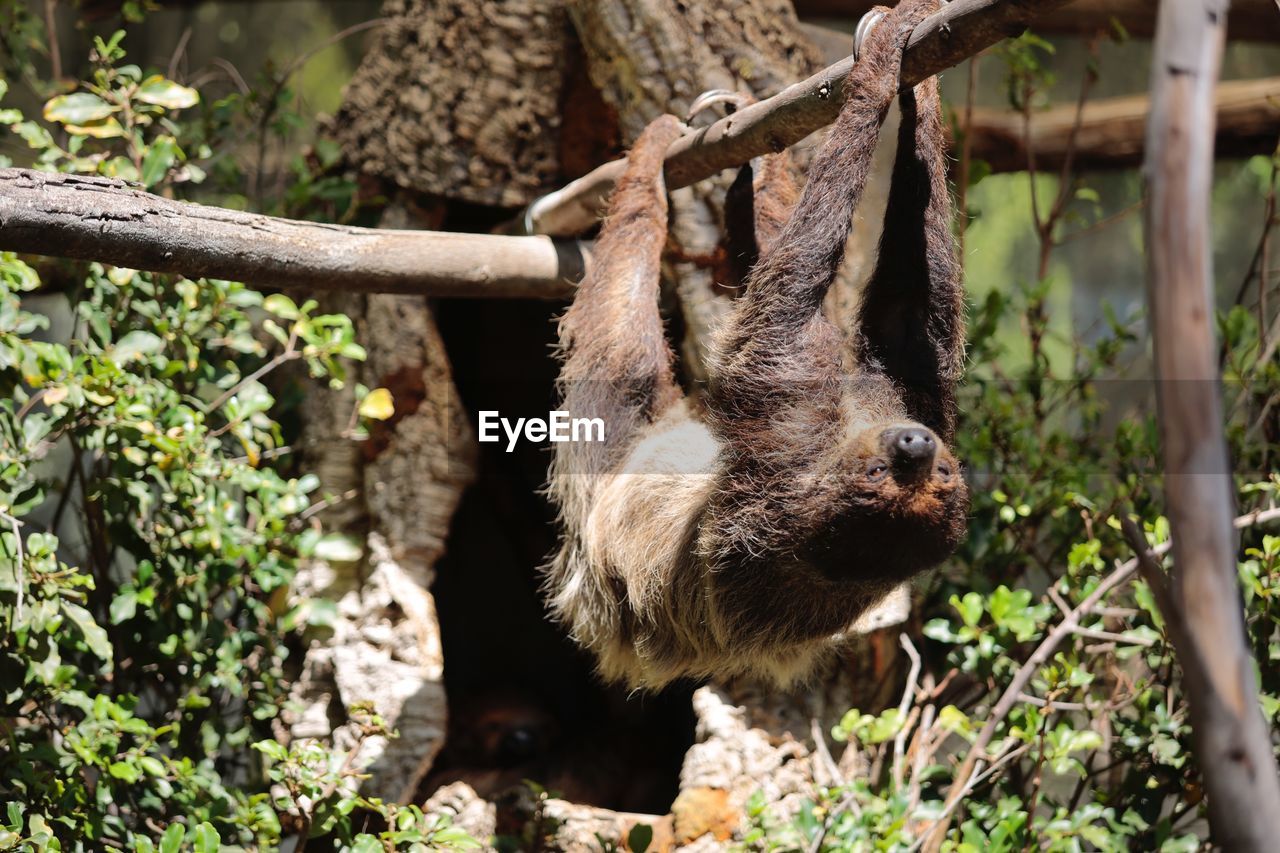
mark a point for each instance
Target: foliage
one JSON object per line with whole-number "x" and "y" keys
{"x": 147, "y": 543}
{"x": 1095, "y": 751}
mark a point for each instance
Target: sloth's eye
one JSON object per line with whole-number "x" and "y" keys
{"x": 944, "y": 470}
{"x": 877, "y": 470}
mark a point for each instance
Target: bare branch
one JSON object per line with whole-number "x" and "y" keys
{"x": 1111, "y": 132}
{"x": 908, "y": 696}
{"x": 1249, "y": 20}
{"x": 960, "y": 30}
{"x": 89, "y": 218}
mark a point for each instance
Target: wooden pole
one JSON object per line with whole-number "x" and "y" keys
{"x": 96, "y": 219}
{"x": 1233, "y": 743}
{"x": 1249, "y": 20}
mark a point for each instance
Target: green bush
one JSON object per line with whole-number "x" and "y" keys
{"x": 147, "y": 543}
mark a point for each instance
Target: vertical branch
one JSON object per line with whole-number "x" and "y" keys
{"x": 51, "y": 33}
{"x": 1232, "y": 741}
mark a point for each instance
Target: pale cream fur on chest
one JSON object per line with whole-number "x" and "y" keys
{"x": 640, "y": 526}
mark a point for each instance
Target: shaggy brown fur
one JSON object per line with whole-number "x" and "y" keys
{"x": 745, "y": 540}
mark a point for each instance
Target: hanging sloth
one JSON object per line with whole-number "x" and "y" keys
{"x": 743, "y": 536}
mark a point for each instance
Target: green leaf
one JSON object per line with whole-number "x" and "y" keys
{"x": 337, "y": 548}
{"x": 124, "y": 771}
{"x": 135, "y": 345}
{"x": 160, "y": 157}
{"x": 171, "y": 841}
{"x": 94, "y": 635}
{"x": 165, "y": 93}
{"x": 124, "y": 605}
{"x": 205, "y": 838}
{"x": 365, "y": 843}
{"x": 281, "y": 305}
{"x": 77, "y": 108}
{"x": 151, "y": 765}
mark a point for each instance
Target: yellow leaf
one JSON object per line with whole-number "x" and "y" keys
{"x": 106, "y": 129}
{"x": 377, "y": 405}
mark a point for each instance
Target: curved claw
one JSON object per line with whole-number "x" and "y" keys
{"x": 714, "y": 97}
{"x": 865, "y": 26}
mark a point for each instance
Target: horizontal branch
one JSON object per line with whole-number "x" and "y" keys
{"x": 97, "y": 219}
{"x": 959, "y": 30}
{"x": 1247, "y": 20}
{"x": 1113, "y": 131}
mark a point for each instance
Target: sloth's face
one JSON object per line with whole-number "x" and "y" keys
{"x": 899, "y": 507}
{"x": 905, "y": 467}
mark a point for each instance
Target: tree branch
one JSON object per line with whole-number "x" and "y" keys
{"x": 1112, "y": 130}
{"x": 1232, "y": 741}
{"x": 90, "y": 218}
{"x": 961, "y": 29}
{"x": 1249, "y": 20}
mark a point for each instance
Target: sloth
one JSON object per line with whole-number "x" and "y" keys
{"x": 745, "y": 534}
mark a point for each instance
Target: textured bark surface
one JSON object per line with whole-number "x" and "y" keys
{"x": 460, "y": 99}
{"x": 108, "y": 220}
{"x": 401, "y": 487}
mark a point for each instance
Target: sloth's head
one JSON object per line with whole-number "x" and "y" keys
{"x": 899, "y": 505}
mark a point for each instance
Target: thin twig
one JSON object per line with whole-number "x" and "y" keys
{"x": 1048, "y": 645}
{"x": 289, "y": 354}
{"x": 1105, "y": 222}
{"x": 1113, "y": 637}
{"x": 51, "y": 32}
{"x": 824, "y": 754}
{"x": 332, "y": 501}
{"x": 908, "y": 694}
{"x": 269, "y": 102}
{"x": 178, "y": 53}
{"x": 974, "y": 780}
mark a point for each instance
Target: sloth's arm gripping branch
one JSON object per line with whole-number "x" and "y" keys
{"x": 961, "y": 29}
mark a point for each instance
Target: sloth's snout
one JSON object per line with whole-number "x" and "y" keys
{"x": 912, "y": 449}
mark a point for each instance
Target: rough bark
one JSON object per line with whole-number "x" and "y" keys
{"x": 460, "y": 99}
{"x": 1232, "y": 741}
{"x": 90, "y": 218}
{"x": 401, "y": 487}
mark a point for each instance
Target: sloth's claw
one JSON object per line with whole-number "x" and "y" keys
{"x": 865, "y": 26}
{"x": 714, "y": 97}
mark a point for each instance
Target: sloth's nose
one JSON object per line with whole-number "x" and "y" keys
{"x": 912, "y": 448}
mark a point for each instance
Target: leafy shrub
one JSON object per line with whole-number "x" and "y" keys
{"x": 147, "y": 543}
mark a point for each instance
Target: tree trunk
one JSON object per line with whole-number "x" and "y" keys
{"x": 1205, "y": 610}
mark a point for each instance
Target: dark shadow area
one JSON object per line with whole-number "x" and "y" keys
{"x": 523, "y": 700}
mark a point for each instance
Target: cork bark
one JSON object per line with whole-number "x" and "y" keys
{"x": 460, "y": 99}
{"x": 400, "y": 487}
